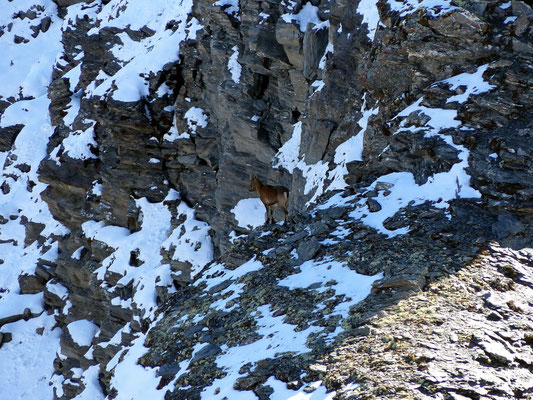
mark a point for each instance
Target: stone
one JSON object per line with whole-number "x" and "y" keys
{"x": 400, "y": 282}
{"x": 19, "y": 39}
{"x": 43, "y": 272}
{"x": 8, "y": 136}
{"x": 289, "y": 36}
{"x": 5, "y": 188}
{"x": 314, "y": 44}
{"x": 497, "y": 352}
{"x": 307, "y": 249}
{"x": 5, "y": 337}
{"x": 33, "y": 230}
{"x": 373, "y": 205}
{"x": 296, "y": 237}
{"x": 319, "y": 228}
{"x": 30, "y": 284}
{"x": 506, "y": 225}
{"x": 45, "y": 24}
{"x": 209, "y": 350}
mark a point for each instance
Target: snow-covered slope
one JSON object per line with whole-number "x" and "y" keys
{"x": 27, "y": 71}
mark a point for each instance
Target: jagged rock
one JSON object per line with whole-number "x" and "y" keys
{"x": 5, "y": 337}
{"x": 19, "y": 39}
{"x": 373, "y": 205}
{"x": 313, "y": 46}
{"x": 307, "y": 249}
{"x": 45, "y": 24}
{"x": 30, "y": 284}
{"x": 26, "y": 315}
{"x": 496, "y": 352}
{"x": 44, "y": 272}
{"x": 507, "y": 225}
{"x": 209, "y": 350}
{"x": 33, "y": 230}
{"x": 402, "y": 282}
{"x": 8, "y": 136}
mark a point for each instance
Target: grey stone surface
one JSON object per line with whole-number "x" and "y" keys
{"x": 308, "y": 248}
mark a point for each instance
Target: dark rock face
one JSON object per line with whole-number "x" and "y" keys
{"x": 8, "y": 136}
{"x": 249, "y": 118}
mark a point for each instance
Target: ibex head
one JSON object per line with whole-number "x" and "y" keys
{"x": 253, "y": 181}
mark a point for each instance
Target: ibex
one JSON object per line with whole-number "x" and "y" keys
{"x": 270, "y": 196}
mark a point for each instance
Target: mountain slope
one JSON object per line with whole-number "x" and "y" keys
{"x": 130, "y": 266}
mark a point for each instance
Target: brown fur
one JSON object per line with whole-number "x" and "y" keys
{"x": 270, "y": 196}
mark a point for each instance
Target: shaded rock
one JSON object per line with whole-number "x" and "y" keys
{"x": 33, "y": 230}
{"x": 209, "y": 350}
{"x": 307, "y": 249}
{"x": 373, "y": 205}
{"x": 30, "y": 284}
{"x": 497, "y": 352}
{"x": 5, "y": 337}
{"x": 507, "y": 225}
{"x": 8, "y": 136}
{"x": 401, "y": 282}
{"x": 19, "y": 39}
{"x": 313, "y": 46}
{"x": 45, "y": 24}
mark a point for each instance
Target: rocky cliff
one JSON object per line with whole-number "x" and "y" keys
{"x": 130, "y": 249}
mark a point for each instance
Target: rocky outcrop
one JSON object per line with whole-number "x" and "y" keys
{"x": 459, "y": 338}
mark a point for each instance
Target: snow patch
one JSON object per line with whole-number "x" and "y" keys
{"x": 190, "y": 241}
{"x": 435, "y": 8}
{"x": 473, "y": 84}
{"x": 194, "y": 245}
{"x": 148, "y": 55}
{"x": 345, "y": 282}
{"x": 249, "y": 213}
{"x": 126, "y": 369}
{"x": 351, "y": 150}
{"x": 195, "y": 118}
{"x": 234, "y": 67}
{"x": 58, "y": 289}
{"x": 369, "y": 10}
{"x": 30, "y": 357}
{"x": 78, "y": 144}
{"x": 230, "y": 7}
{"x": 510, "y": 20}
{"x": 277, "y": 337}
{"x": 317, "y": 86}
{"x": 82, "y": 332}
{"x": 288, "y": 154}
{"x": 317, "y": 174}
{"x": 307, "y": 15}
{"x": 329, "y": 50}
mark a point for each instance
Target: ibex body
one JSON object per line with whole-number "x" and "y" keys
{"x": 270, "y": 196}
